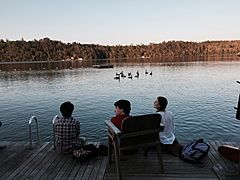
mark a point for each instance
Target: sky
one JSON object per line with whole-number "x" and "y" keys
{"x": 120, "y": 22}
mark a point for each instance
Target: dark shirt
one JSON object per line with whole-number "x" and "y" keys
{"x": 117, "y": 120}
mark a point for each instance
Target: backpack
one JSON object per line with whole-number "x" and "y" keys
{"x": 195, "y": 151}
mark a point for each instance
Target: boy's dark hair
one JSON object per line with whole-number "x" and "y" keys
{"x": 163, "y": 102}
{"x": 66, "y": 109}
{"x": 123, "y": 104}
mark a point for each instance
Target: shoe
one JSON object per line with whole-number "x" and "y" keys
{"x": 2, "y": 147}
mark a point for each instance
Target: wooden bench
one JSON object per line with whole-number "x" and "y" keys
{"x": 137, "y": 132}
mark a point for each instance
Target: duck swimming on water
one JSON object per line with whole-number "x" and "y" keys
{"x": 137, "y": 74}
{"x": 117, "y": 76}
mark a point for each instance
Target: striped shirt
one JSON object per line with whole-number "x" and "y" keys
{"x": 67, "y": 131}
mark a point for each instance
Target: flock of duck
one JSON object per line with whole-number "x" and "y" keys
{"x": 130, "y": 75}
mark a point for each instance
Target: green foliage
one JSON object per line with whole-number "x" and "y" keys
{"x": 51, "y": 50}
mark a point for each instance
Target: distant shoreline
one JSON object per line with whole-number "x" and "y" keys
{"x": 74, "y": 64}
{"x": 167, "y": 58}
{"x": 50, "y": 50}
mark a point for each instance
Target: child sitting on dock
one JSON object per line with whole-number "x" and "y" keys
{"x": 122, "y": 111}
{"x": 67, "y": 129}
{"x": 168, "y": 140}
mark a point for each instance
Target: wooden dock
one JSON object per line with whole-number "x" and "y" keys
{"x": 18, "y": 161}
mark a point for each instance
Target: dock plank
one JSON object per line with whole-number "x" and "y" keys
{"x": 96, "y": 168}
{"x": 25, "y": 163}
{"x": 75, "y": 168}
{"x": 223, "y": 168}
{"x": 101, "y": 172}
{"x": 15, "y": 155}
{"x": 34, "y": 165}
{"x": 45, "y": 164}
{"x": 147, "y": 167}
{"x": 65, "y": 171}
{"x": 17, "y": 161}
{"x": 57, "y": 166}
{"x": 81, "y": 170}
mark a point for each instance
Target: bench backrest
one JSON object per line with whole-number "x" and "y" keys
{"x": 140, "y": 130}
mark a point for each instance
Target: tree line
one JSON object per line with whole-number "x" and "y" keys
{"x": 51, "y": 50}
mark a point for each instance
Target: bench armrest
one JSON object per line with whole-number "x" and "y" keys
{"x": 112, "y": 127}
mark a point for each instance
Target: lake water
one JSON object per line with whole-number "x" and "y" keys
{"x": 201, "y": 95}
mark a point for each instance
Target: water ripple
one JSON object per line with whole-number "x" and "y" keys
{"x": 201, "y": 96}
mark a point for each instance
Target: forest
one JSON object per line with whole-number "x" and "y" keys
{"x": 52, "y": 50}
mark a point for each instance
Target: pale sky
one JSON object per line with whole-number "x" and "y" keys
{"x": 124, "y": 22}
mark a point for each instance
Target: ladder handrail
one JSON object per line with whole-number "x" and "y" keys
{"x": 53, "y": 124}
{"x": 30, "y": 129}
{"x": 238, "y": 110}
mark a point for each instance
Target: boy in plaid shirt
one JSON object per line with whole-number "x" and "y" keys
{"x": 67, "y": 129}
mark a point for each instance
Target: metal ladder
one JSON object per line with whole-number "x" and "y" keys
{"x": 53, "y": 126}
{"x": 30, "y": 130}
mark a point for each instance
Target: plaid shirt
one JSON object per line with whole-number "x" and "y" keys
{"x": 67, "y": 131}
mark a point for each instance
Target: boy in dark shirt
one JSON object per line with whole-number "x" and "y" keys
{"x": 122, "y": 111}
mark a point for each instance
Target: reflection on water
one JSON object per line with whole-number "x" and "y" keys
{"x": 201, "y": 95}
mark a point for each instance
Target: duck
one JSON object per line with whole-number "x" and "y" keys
{"x": 130, "y": 77}
{"x": 122, "y": 74}
{"x": 137, "y": 74}
{"x": 117, "y": 77}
